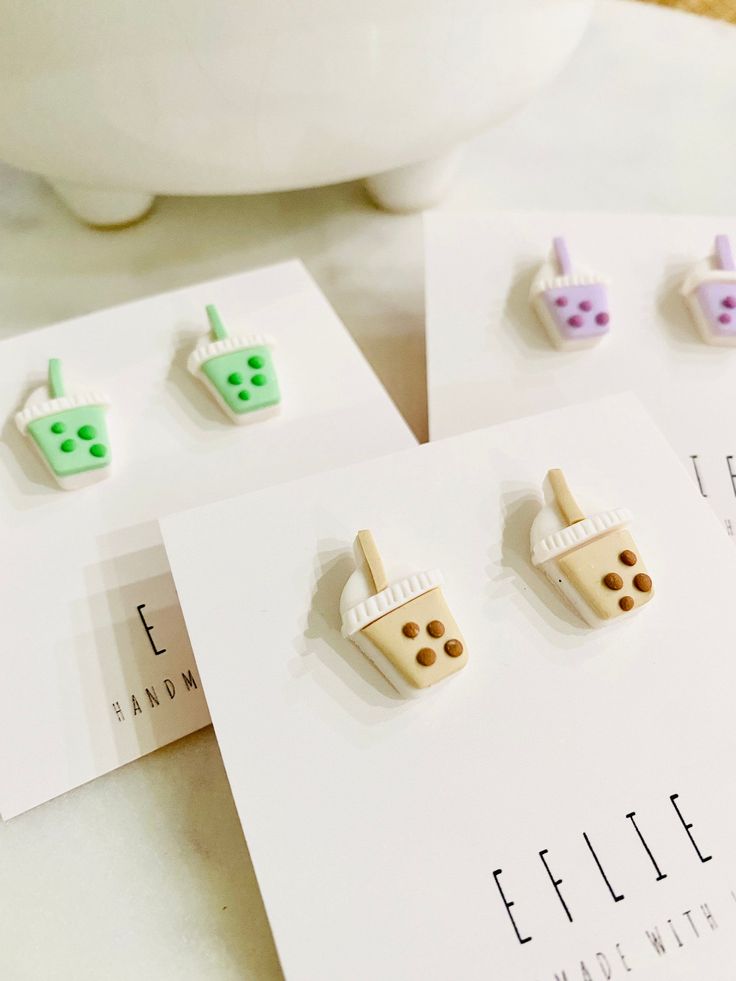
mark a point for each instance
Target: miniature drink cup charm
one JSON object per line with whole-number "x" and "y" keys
{"x": 69, "y": 432}
{"x": 403, "y": 625}
{"x": 238, "y": 372}
{"x": 571, "y": 303}
{"x": 710, "y": 293}
{"x": 591, "y": 560}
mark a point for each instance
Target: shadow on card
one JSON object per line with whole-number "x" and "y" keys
{"x": 520, "y": 508}
{"x": 24, "y": 464}
{"x": 519, "y": 319}
{"x": 673, "y": 309}
{"x": 190, "y": 394}
{"x": 135, "y": 668}
{"x": 347, "y": 664}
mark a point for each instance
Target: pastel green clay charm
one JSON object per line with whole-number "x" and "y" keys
{"x": 69, "y": 432}
{"x": 239, "y": 372}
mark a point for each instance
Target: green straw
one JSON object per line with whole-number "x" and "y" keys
{"x": 218, "y": 328}
{"x": 56, "y": 382}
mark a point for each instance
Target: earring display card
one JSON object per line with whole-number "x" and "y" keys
{"x": 565, "y": 803}
{"x": 489, "y": 358}
{"x": 97, "y": 666}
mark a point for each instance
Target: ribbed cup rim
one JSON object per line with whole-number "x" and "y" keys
{"x": 390, "y": 598}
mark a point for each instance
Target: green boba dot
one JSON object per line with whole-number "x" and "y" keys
{"x": 256, "y": 361}
{"x": 68, "y": 445}
{"x": 86, "y": 432}
{"x": 58, "y": 427}
{"x": 244, "y": 395}
{"x": 235, "y": 378}
{"x": 98, "y": 449}
{"x": 259, "y": 380}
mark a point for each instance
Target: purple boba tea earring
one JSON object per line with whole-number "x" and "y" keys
{"x": 571, "y": 302}
{"x": 710, "y": 293}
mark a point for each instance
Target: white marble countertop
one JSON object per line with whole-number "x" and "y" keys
{"x": 145, "y": 873}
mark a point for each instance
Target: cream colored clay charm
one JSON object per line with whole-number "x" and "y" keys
{"x": 591, "y": 559}
{"x": 402, "y": 624}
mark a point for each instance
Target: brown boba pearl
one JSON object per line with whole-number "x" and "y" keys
{"x": 628, "y": 557}
{"x": 454, "y": 648}
{"x": 435, "y": 628}
{"x": 642, "y": 582}
{"x": 410, "y": 630}
{"x": 626, "y": 603}
{"x": 613, "y": 580}
{"x": 426, "y": 657}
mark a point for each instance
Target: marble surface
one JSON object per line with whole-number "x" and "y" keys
{"x": 145, "y": 873}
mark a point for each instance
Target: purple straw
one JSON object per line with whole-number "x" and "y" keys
{"x": 724, "y": 256}
{"x": 563, "y": 256}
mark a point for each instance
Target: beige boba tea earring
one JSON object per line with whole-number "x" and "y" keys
{"x": 591, "y": 559}
{"x": 401, "y": 623}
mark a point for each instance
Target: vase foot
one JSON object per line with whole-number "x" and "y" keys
{"x": 414, "y": 187}
{"x": 103, "y": 207}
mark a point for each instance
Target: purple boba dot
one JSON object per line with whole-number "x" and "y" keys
{"x": 725, "y": 318}
{"x": 561, "y": 301}
{"x": 602, "y": 319}
{"x": 575, "y": 321}
{"x": 586, "y": 305}
{"x": 730, "y": 302}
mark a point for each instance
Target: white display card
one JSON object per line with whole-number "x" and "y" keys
{"x": 561, "y": 808}
{"x": 97, "y": 666}
{"x": 489, "y": 358}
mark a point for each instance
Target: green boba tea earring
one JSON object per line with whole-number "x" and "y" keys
{"x": 69, "y": 431}
{"x": 238, "y": 372}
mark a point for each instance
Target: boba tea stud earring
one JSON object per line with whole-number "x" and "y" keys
{"x": 238, "y": 372}
{"x": 592, "y": 560}
{"x": 571, "y": 303}
{"x": 710, "y": 293}
{"x": 69, "y": 432}
{"x": 402, "y": 624}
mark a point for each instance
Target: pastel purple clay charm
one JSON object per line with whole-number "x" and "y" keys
{"x": 710, "y": 293}
{"x": 572, "y": 304}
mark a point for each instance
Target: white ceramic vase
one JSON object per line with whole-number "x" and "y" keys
{"x": 114, "y": 101}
